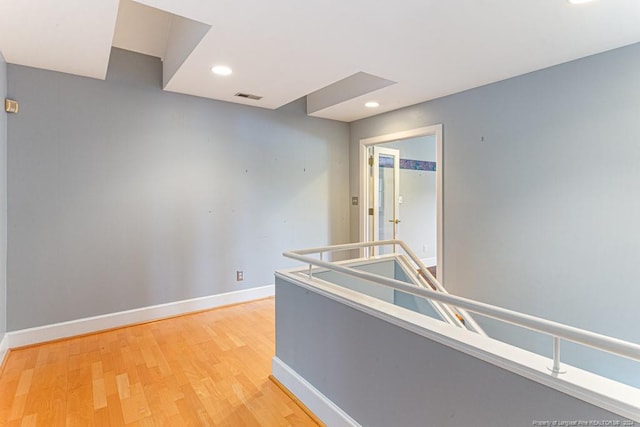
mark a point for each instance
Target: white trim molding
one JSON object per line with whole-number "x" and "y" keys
{"x": 4, "y": 348}
{"x": 123, "y": 318}
{"x": 321, "y": 406}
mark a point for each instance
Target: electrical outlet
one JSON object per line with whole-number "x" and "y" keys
{"x": 424, "y": 248}
{"x": 239, "y": 276}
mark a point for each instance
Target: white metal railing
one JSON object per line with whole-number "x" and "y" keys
{"x": 445, "y": 312}
{"x": 556, "y": 330}
{"x": 425, "y": 279}
{"x": 428, "y": 277}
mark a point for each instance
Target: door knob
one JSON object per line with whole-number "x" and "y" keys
{"x": 395, "y": 221}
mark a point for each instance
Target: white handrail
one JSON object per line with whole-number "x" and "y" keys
{"x": 344, "y": 247}
{"x": 472, "y": 324}
{"x": 444, "y": 311}
{"x": 555, "y": 329}
{"x": 468, "y": 319}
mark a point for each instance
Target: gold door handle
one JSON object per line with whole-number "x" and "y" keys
{"x": 395, "y": 221}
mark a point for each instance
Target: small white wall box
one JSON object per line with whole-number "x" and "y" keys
{"x": 11, "y": 106}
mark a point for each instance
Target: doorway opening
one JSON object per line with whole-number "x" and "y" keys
{"x": 401, "y": 191}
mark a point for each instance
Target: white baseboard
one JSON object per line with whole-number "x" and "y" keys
{"x": 4, "y": 348}
{"x": 145, "y": 314}
{"x": 323, "y": 408}
{"x": 429, "y": 262}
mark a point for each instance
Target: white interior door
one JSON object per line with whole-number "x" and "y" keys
{"x": 366, "y": 218}
{"x": 385, "y": 184}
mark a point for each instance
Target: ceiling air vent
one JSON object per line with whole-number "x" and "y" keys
{"x": 249, "y": 96}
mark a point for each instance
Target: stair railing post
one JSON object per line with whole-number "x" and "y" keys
{"x": 555, "y": 369}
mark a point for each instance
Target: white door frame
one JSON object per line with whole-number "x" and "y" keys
{"x": 365, "y": 143}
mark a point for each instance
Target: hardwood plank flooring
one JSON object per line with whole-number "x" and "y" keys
{"x": 204, "y": 369}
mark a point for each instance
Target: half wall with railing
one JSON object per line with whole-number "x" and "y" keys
{"x": 377, "y": 340}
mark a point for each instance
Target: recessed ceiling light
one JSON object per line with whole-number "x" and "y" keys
{"x": 372, "y": 104}
{"x": 221, "y": 70}
{"x": 579, "y": 1}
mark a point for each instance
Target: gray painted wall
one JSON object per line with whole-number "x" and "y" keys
{"x": 384, "y": 375}
{"x": 3, "y": 199}
{"x": 542, "y": 217}
{"x": 123, "y": 196}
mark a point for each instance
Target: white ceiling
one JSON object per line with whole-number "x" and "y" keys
{"x": 286, "y": 49}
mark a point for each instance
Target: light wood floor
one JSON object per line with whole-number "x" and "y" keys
{"x": 208, "y": 368}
